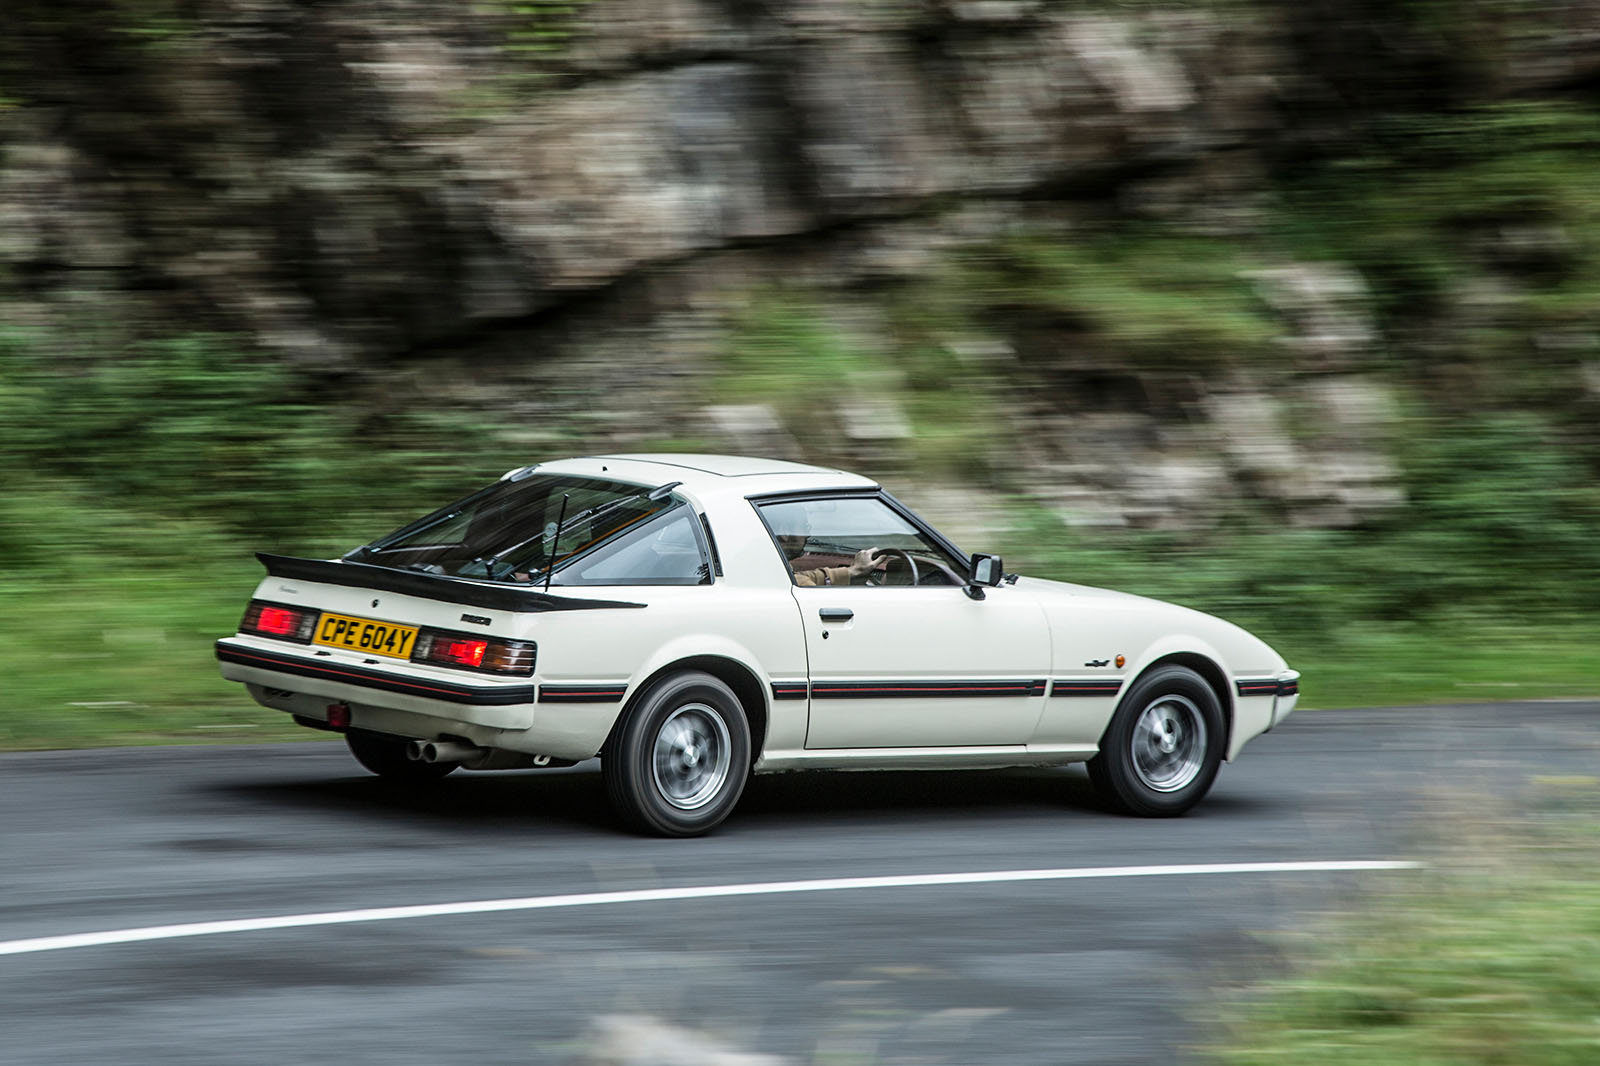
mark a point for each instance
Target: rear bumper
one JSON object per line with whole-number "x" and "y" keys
{"x": 499, "y": 705}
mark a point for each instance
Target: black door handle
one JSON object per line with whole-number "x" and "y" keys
{"x": 836, "y": 614}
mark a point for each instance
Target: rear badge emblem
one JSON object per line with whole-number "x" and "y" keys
{"x": 374, "y": 603}
{"x": 476, "y": 619}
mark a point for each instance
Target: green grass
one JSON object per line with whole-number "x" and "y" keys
{"x": 115, "y": 658}
{"x": 1489, "y": 958}
{"x": 1395, "y": 666}
{"x": 107, "y": 617}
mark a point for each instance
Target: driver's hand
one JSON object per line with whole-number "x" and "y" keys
{"x": 865, "y": 560}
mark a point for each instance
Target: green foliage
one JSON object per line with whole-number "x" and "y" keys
{"x": 1500, "y": 518}
{"x": 192, "y": 425}
{"x": 540, "y": 27}
{"x": 1492, "y": 959}
{"x": 136, "y": 490}
{"x": 1425, "y": 208}
{"x": 1135, "y": 297}
{"x": 807, "y": 361}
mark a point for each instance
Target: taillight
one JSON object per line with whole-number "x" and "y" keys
{"x": 452, "y": 652}
{"x": 474, "y": 653}
{"x": 277, "y": 620}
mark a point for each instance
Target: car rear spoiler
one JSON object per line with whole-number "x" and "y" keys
{"x": 494, "y": 596}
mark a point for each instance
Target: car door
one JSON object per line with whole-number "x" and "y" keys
{"x": 896, "y": 664}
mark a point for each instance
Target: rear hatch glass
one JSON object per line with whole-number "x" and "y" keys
{"x": 508, "y": 531}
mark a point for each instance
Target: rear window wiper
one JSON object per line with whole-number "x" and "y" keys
{"x": 380, "y": 545}
{"x": 655, "y": 495}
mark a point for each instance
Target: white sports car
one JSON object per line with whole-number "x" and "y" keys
{"x": 692, "y": 619}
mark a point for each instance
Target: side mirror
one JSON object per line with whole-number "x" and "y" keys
{"x": 987, "y": 570}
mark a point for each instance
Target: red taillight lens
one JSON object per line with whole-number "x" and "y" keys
{"x": 470, "y": 653}
{"x": 460, "y": 652}
{"x": 276, "y": 620}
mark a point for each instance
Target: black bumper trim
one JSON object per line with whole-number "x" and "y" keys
{"x": 1068, "y": 687}
{"x": 1266, "y": 686}
{"x": 476, "y": 695}
{"x": 581, "y": 693}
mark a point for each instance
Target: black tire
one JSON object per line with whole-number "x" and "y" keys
{"x": 678, "y": 763}
{"x": 1160, "y": 754}
{"x": 385, "y": 756}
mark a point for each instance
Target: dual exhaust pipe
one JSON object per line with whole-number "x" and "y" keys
{"x": 431, "y": 751}
{"x": 471, "y": 756}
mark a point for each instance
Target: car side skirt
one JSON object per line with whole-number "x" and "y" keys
{"x": 972, "y": 758}
{"x": 871, "y": 690}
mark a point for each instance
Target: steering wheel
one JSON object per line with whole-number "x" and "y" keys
{"x": 879, "y": 574}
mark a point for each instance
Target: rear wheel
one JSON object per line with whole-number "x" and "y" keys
{"x": 1160, "y": 754}
{"x": 678, "y": 763}
{"x": 385, "y": 756}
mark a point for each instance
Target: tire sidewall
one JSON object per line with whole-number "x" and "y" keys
{"x": 630, "y": 772}
{"x": 1115, "y": 765}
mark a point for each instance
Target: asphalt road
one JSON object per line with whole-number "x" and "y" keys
{"x": 1105, "y": 971}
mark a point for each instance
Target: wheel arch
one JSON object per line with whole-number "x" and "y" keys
{"x": 1210, "y": 671}
{"x": 746, "y": 686}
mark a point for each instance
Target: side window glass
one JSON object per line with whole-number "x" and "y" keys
{"x": 665, "y": 551}
{"x": 821, "y": 538}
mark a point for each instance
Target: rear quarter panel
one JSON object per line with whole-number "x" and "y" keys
{"x": 756, "y": 628}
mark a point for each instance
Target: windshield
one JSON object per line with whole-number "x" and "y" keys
{"x": 507, "y": 531}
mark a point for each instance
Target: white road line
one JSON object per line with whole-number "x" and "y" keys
{"x": 661, "y": 895}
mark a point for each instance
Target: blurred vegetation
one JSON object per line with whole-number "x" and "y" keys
{"x": 194, "y": 425}
{"x": 1491, "y": 956}
{"x": 537, "y": 29}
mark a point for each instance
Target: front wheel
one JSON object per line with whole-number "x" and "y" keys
{"x": 1160, "y": 754}
{"x": 678, "y": 764}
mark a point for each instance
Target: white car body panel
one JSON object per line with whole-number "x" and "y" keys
{"x": 1063, "y": 653}
{"x": 922, "y": 637}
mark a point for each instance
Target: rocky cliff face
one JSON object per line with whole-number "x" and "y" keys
{"x": 556, "y": 215}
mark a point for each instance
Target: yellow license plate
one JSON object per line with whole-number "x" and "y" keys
{"x": 364, "y": 634}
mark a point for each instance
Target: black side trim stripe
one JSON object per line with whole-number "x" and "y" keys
{"x": 581, "y": 693}
{"x": 482, "y": 696}
{"x": 868, "y": 690}
{"x": 496, "y": 597}
{"x": 1084, "y": 688}
{"x": 1267, "y": 686}
{"x": 1289, "y": 688}
{"x": 788, "y": 690}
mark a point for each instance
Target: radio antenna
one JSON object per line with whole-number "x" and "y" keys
{"x": 549, "y": 571}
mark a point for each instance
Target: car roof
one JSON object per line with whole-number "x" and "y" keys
{"x": 712, "y": 474}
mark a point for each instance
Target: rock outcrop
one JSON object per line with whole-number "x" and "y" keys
{"x": 520, "y": 227}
